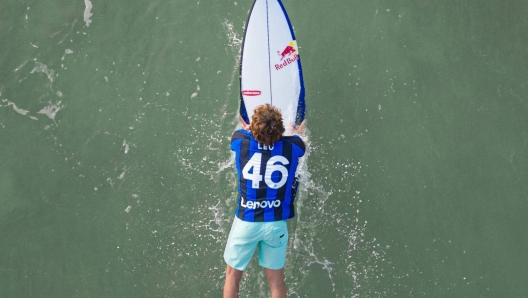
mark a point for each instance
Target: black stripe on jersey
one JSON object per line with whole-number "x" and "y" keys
{"x": 237, "y": 135}
{"x": 297, "y": 141}
{"x": 263, "y": 187}
{"x": 244, "y": 158}
{"x": 287, "y": 153}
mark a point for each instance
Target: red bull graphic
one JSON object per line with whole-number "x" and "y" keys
{"x": 288, "y": 51}
{"x": 251, "y": 92}
{"x": 286, "y": 55}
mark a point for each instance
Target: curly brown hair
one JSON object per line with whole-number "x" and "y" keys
{"x": 266, "y": 124}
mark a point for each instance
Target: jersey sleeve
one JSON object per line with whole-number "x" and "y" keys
{"x": 296, "y": 140}
{"x": 236, "y": 139}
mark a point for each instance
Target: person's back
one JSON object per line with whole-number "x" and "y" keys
{"x": 266, "y": 176}
{"x": 266, "y": 164}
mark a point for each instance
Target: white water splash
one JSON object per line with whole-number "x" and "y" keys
{"x": 43, "y": 68}
{"x": 127, "y": 147}
{"x": 87, "y": 12}
{"x": 51, "y": 110}
{"x": 18, "y": 110}
{"x": 21, "y": 65}
{"x": 197, "y": 90}
{"x": 235, "y": 44}
{"x": 66, "y": 52}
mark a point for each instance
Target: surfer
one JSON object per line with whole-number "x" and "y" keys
{"x": 266, "y": 162}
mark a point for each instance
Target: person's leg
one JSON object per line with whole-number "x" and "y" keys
{"x": 272, "y": 256}
{"x": 232, "y": 282}
{"x": 276, "y": 282}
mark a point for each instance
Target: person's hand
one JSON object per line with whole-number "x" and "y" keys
{"x": 298, "y": 130}
{"x": 245, "y": 126}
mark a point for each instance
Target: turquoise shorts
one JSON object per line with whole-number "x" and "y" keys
{"x": 271, "y": 238}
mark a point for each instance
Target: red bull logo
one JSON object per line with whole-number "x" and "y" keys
{"x": 288, "y": 51}
{"x": 286, "y": 55}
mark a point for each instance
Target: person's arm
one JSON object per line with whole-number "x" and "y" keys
{"x": 298, "y": 130}
{"x": 245, "y": 126}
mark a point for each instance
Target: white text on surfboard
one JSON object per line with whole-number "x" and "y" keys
{"x": 286, "y": 62}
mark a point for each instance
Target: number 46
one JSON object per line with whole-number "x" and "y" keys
{"x": 276, "y": 163}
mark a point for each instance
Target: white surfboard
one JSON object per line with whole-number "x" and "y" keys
{"x": 270, "y": 70}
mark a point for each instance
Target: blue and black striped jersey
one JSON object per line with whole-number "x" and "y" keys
{"x": 266, "y": 175}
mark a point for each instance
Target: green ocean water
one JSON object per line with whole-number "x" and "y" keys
{"x": 116, "y": 178}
